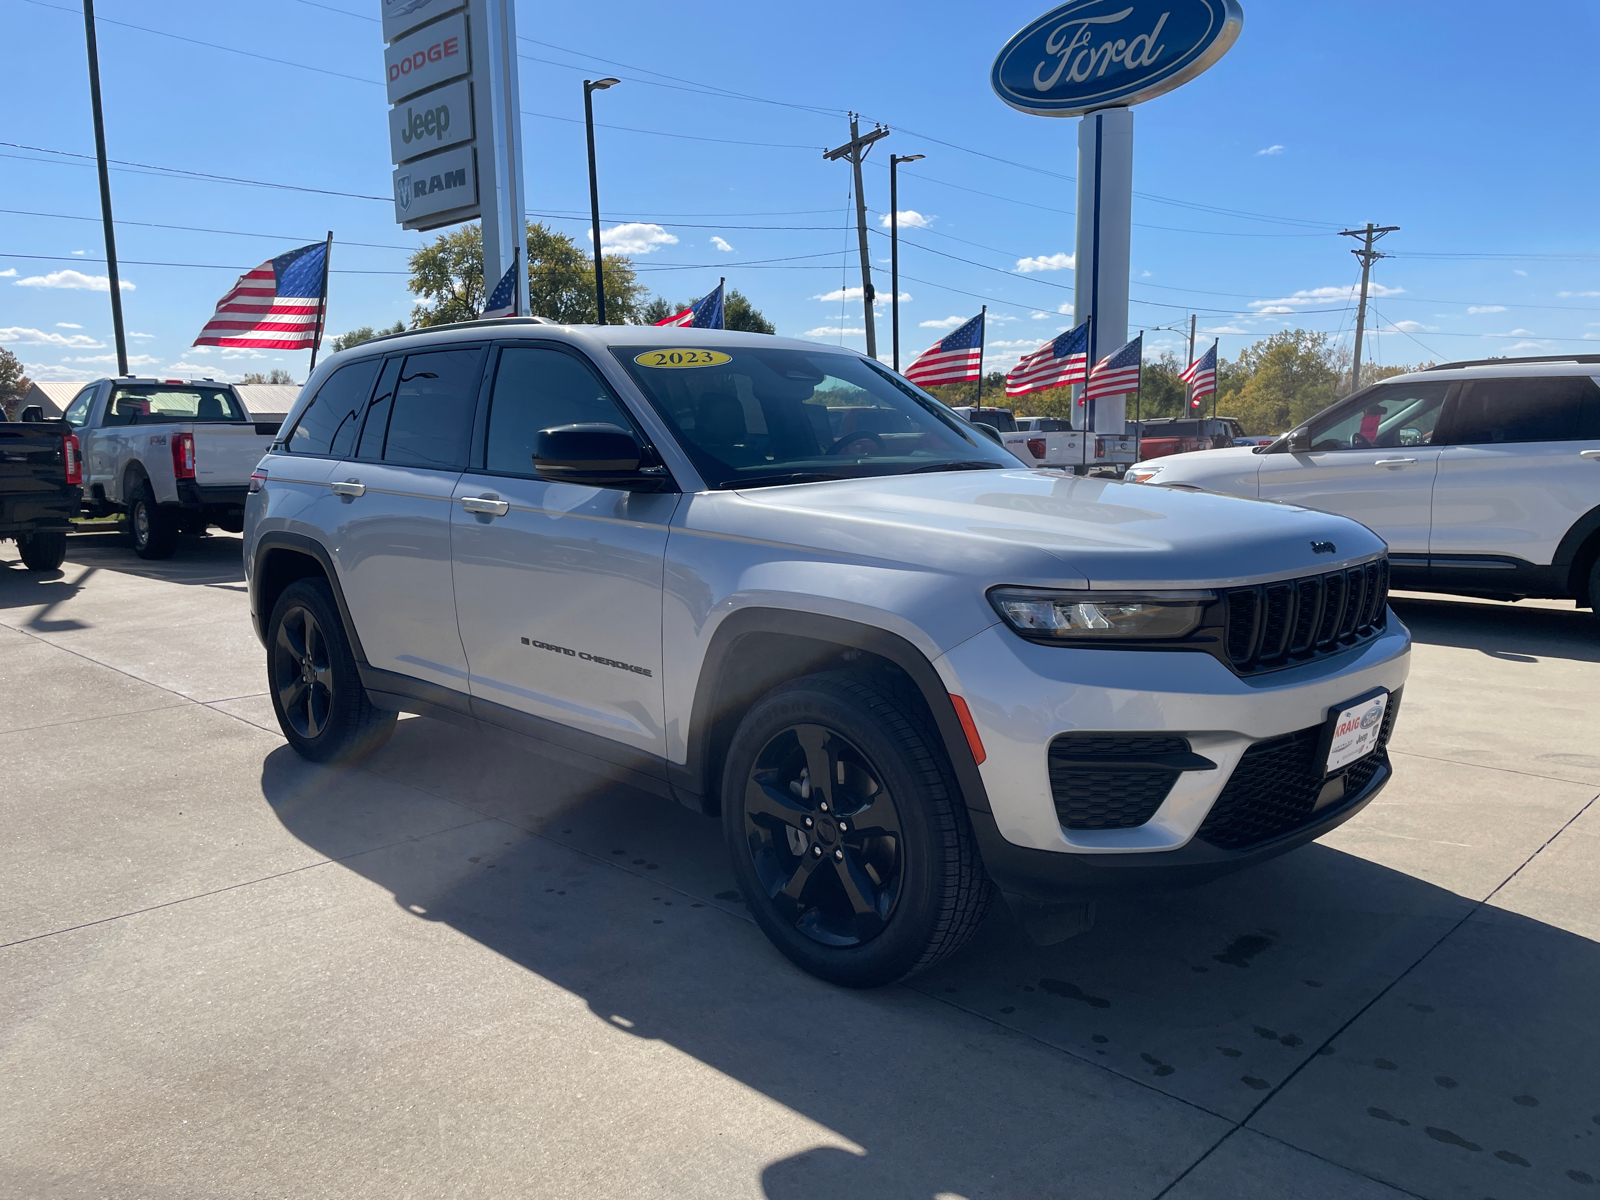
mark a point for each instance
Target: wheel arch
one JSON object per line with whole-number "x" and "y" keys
{"x": 279, "y": 560}
{"x": 1578, "y": 552}
{"x": 133, "y": 474}
{"x": 756, "y": 649}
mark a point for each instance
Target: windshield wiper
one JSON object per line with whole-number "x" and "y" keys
{"x": 971, "y": 465}
{"x": 773, "y": 480}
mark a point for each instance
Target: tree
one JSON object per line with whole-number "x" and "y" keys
{"x": 448, "y": 272}
{"x": 958, "y": 394}
{"x": 14, "y": 384}
{"x": 364, "y": 333}
{"x": 737, "y": 312}
{"x": 276, "y": 375}
{"x": 1288, "y": 377}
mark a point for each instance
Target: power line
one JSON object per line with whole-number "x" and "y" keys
{"x": 125, "y": 163}
{"x": 79, "y": 258}
{"x": 280, "y": 237}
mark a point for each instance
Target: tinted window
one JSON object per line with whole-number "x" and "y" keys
{"x": 536, "y": 389}
{"x": 379, "y": 406}
{"x": 329, "y": 423}
{"x": 1490, "y": 411}
{"x": 1398, "y": 414}
{"x": 154, "y": 404}
{"x": 434, "y": 397}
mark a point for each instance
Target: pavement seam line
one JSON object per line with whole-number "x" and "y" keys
{"x": 1473, "y": 909}
{"x": 232, "y": 887}
{"x": 1486, "y": 767}
{"x": 121, "y": 712}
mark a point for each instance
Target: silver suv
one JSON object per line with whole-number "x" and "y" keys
{"x": 778, "y": 583}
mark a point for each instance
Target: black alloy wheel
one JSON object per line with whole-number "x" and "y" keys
{"x": 322, "y": 707}
{"x": 847, "y": 830}
{"x": 824, "y": 835}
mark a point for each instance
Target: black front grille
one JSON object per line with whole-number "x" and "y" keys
{"x": 1275, "y": 785}
{"x": 1297, "y": 620}
{"x": 1116, "y": 780}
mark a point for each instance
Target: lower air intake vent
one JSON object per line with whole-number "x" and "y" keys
{"x": 1116, "y": 780}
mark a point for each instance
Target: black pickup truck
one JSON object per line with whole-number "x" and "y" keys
{"x": 41, "y": 489}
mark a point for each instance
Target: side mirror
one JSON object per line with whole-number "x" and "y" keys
{"x": 594, "y": 455}
{"x": 1299, "y": 441}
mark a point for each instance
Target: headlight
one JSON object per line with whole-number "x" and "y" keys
{"x": 1041, "y": 614}
{"x": 1142, "y": 474}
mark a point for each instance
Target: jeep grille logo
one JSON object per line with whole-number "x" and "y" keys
{"x": 1324, "y": 548}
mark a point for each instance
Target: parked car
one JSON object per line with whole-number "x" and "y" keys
{"x": 39, "y": 487}
{"x": 1161, "y": 436}
{"x": 898, "y": 669}
{"x": 1483, "y": 477}
{"x": 175, "y": 455}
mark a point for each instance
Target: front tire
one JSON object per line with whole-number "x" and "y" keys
{"x": 42, "y": 551}
{"x": 316, "y": 690}
{"x": 153, "y": 529}
{"x": 847, "y": 830}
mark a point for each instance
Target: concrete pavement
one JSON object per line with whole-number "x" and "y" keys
{"x": 466, "y": 970}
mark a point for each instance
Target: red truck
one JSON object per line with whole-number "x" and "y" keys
{"x": 1161, "y": 436}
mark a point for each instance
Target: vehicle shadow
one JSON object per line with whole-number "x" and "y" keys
{"x": 1507, "y": 631}
{"x": 1103, "y": 1066}
{"x": 215, "y": 559}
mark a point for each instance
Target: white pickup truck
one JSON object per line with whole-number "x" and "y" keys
{"x": 1053, "y": 442}
{"x": 174, "y": 454}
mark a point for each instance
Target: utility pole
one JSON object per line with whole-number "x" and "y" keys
{"x": 105, "y": 189}
{"x": 590, "y": 87}
{"x": 1191, "y": 337}
{"x": 894, "y": 247}
{"x": 1368, "y": 256}
{"x": 854, "y": 151}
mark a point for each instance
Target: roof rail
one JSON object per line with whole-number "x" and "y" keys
{"x": 1494, "y": 362}
{"x": 497, "y": 321}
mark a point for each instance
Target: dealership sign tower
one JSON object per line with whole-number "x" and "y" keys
{"x": 455, "y": 128}
{"x": 1094, "y": 59}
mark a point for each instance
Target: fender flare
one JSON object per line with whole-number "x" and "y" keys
{"x": 1566, "y": 555}
{"x": 309, "y": 548}
{"x": 719, "y": 657}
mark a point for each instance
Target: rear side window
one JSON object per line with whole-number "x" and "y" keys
{"x": 78, "y": 411}
{"x": 1493, "y": 411}
{"x": 534, "y": 389}
{"x": 329, "y": 423}
{"x": 426, "y": 420}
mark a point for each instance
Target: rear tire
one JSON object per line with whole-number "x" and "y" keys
{"x": 316, "y": 690}
{"x": 1594, "y": 589}
{"x": 153, "y": 529}
{"x": 871, "y": 874}
{"x": 42, "y": 551}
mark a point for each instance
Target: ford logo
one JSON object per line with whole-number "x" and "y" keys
{"x": 1090, "y": 54}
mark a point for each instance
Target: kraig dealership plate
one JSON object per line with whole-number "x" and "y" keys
{"x": 1355, "y": 732}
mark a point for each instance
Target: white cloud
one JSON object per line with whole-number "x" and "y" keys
{"x": 10, "y": 273}
{"x": 1321, "y": 295}
{"x": 1273, "y": 149}
{"x": 854, "y": 293}
{"x": 634, "y": 237}
{"x": 1045, "y": 262}
{"x": 134, "y": 360}
{"x": 910, "y": 218}
{"x": 53, "y": 373}
{"x": 1515, "y": 346}
{"x": 1409, "y": 327}
{"x": 824, "y": 331}
{"x": 1518, "y": 271}
{"x": 1591, "y": 337}
{"x": 21, "y": 336}
{"x": 1523, "y": 333}
{"x": 1578, "y": 294}
{"x": 1220, "y": 330}
{"x": 1000, "y": 318}
{"x": 140, "y": 335}
{"x": 238, "y": 352}
{"x": 204, "y": 370}
{"x": 721, "y": 245}
{"x": 67, "y": 325}
{"x": 72, "y": 279}
{"x": 945, "y": 322}
{"x": 1040, "y": 316}
{"x": 1485, "y": 308}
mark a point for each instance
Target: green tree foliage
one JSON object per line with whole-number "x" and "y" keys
{"x": 276, "y": 375}
{"x": 1289, "y": 376}
{"x": 14, "y": 384}
{"x": 958, "y": 394}
{"x": 737, "y": 312}
{"x": 364, "y": 333}
{"x": 448, "y": 273}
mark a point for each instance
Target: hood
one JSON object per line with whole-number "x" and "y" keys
{"x": 1231, "y": 459}
{"x": 1112, "y": 534}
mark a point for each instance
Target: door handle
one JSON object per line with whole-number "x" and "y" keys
{"x": 1393, "y": 462}
{"x": 489, "y": 506}
{"x": 1591, "y": 454}
{"x": 349, "y": 487}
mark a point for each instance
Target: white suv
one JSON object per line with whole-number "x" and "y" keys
{"x": 901, "y": 667}
{"x": 1483, "y": 477}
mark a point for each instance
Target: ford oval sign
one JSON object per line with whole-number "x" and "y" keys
{"x": 1090, "y": 54}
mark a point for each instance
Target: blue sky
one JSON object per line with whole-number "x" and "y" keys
{"x": 1468, "y": 124}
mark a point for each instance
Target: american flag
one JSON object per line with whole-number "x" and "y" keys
{"x": 955, "y": 359}
{"x": 278, "y": 306}
{"x": 1057, "y": 363}
{"x": 1116, "y": 374}
{"x": 1201, "y": 376}
{"x": 704, "y": 313}
{"x": 503, "y": 303}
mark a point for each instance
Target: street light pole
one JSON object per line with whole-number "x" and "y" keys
{"x": 105, "y": 189}
{"x": 591, "y": 86}
{"x": 894, "y": 247}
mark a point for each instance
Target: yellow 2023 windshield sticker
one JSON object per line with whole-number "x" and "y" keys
{"x": 682, "y": 358}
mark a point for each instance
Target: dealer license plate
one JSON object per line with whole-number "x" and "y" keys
{"x": 1355, "y": 732}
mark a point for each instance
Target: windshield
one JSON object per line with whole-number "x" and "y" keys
{"x": 752, "y": 417}
{"x": 154, "y": 403}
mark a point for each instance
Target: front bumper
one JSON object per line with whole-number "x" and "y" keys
{"x": 1022, "y": 696}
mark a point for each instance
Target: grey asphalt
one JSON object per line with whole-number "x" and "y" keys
{"x": 468, "y": 971}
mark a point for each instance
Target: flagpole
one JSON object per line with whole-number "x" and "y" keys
{"x": 983, "y": 330}
{"x": 1216, "y": 369}
{"x": 1089, "y": 364}
{"x": 722, "y": 301}
{"x": 322, "y": 302}
{"x": 1138, "y": 404}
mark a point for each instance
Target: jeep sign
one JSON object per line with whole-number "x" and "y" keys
{"x": 427, "y": 58}
{"x": 431, "y": 121}
{"x": 440, "y": 183}
{"x": 402, "y": 16}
